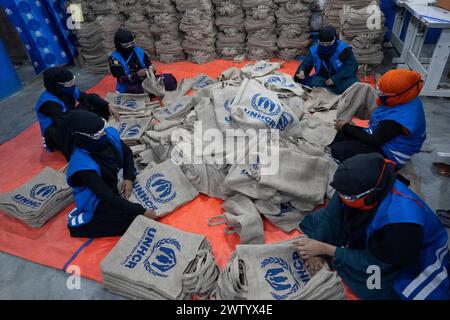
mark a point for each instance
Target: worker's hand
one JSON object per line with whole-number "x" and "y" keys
{"x": 126, "y": 189}
{"x": 329, "y": 82}
{"x": 142, "y": 73}
{"x": 150, "y": 214}
{"x": 339, "y": 124}
{"x": 113, "y": 112}
{"x": 314, "y": 264}
{"x": 309, "y": 248}
{"x": 301, "y": 75}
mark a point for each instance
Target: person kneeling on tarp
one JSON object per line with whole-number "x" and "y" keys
{"x": 61, "y": 95}
{"x": 129, "y": 65}
{"x": 375, "y": 222}
{"x": 397, "y": 128}
{"x": 335, "y": 65}
{"x": 102, "y": 211}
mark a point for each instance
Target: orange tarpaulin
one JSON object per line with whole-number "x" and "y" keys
{"x": 24, "y": 157}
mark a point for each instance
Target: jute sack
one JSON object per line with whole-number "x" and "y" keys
{"x": 284, "y": 216}
{"x": 153, "y": 256}
{"x": 163, "y": 188}
{"x": 127, "y": 101}
{"x": 242, "y": 217}
{"x": 152, "y": 85}
{"x": 260, "y": 68}
{"x": 281, "y": 83}
{"x": 223, "y": 98}
{"x": 131, "y": 130}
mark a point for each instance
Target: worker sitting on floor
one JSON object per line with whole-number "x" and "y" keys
{"x": 335, "y": 65}
{"x": 102, "y": 211}
{"x": 397, "y": 128}
{"x": 129, "y": 65}
{"x": 384, "y": 241}
{"x": 61, "y": 95}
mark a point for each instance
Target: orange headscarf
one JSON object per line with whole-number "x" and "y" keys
{"x": 404, "y": 85}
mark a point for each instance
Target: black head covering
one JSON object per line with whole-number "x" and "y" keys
{"x": 51, "y": 78}
{"x": 123, "y": 36}
{"x": 358, "y": 175}
{"x": 327, "y": 34}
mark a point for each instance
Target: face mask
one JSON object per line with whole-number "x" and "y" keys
{"x": 384, "y": 98}
{"x": 96, "y": 145}
{"x": 363, "y": 201}
{"x": 327, "y": 48}
{"x": 69, "y": 91}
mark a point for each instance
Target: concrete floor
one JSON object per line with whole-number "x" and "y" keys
{"x": 20, "y": 279}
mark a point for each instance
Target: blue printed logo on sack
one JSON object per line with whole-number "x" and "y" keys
{"x": 38, "y": 194}
{"x": 265, "y": 105}
{"x": 280, "y": 81}
{"x": 280, "y": 277}
{"x": 285, "y": 208}
{"x": 160, "y": 188}
{"x": 227, "y": 106}
{"x": 130, "y": 103}
{"x": 122, "y": 128}
{"x": 163, "y": 257}
{"x": 285, "y": 120}
{"x": 261, "y": 67}
{"x": 132, "y": 131}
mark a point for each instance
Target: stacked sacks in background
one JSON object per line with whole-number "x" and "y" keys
{"x": 293, "y": 19}
{"x": 103, "y": 8}
{"x": 197, "y": 25}
{"x": 317, "y": 15}
{"x": 230, "y": 18}
{"x": 96, "y": 40}
{"x": 88, "y": 14}
{"x": 333, "y": 8}
{"x": 164, "y": 21}
{"x": 260, "y": 24}
{"x": 366, "y": 39}
{"x": 140, "y": 26}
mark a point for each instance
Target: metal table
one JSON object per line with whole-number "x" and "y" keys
{"x": 422, "y": 18}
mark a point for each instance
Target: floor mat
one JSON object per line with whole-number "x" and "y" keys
{"x": 24, "y": 157}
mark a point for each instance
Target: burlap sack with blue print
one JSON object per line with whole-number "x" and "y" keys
{"x": 260, "y": 68}
{"x": 282, "y": 83}
{"x": 131, "y": 130}
{"x": 127, "y": 101}
{"x": 163, "y": 188}
{"x": 156, "y": 261}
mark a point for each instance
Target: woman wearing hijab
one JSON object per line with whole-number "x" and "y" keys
{"x": 374, "y": 222}
{"x": 335, "y": 65}
{"x": 61, "y": 95}
{"x": 397, "y": 129}
{"x": 102, "y": 209}
{"x": 129, "y": 65}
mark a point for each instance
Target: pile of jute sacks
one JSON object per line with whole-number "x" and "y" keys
{"x": 254, "y": 97}
{"x": 197, "y": 24}
{"x": 39, "y": 200}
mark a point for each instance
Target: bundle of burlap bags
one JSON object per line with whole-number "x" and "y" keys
{"x": 38, "y": 200}
{"x": 139, "y": 24}
{"x": 96, "y": 40}
{"x": 197, "y": 25}
{"x": 158, "y": 262}
{"x": 363, "y": 33}
{"x": 230, "y": 17}
{"x": 333, "y": 8}
{"x": 164, "y": 21}
{"x": 293, "y": 19}
{"x": 260, "y": 25}
{"x": 275, "y": 272}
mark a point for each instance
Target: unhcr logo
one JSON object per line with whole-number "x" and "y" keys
{"x": 265, "y": 105}
{"x": 163, "y": 257}
{"x": 141, "y": 249}
{"x": 280, "y": 277}
{"x": 132, "y": 131}
{"x": 160, "y": 188}
{"x": 42, "y": 191}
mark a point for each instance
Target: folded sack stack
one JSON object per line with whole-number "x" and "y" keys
{"x": 364, "y": 33}
{"x": 293, "y": 21}
{"x": 260, "y": 24}
{"x": 165, "y": 20}
{"x": 139, "y": 24}
{"x": 333, "y": 8}
{"x": 197, "y": 25}
{"x": 230, "y": 17}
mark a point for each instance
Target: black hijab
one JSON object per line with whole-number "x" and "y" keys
{"x": 327, "y": 34}
{"x": 356, "y": 176}
{"x": 101, "y": 151}
{"x": 123, "y": 36}
{"x": 51, "y": 78}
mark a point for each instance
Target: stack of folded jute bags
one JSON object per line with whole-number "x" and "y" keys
{"x": 260, "y": 24}
{"x": 104, "y": 8}
{"x": 139, "y": 24}
{"x": 333, "y": 8}
{"x": 275, "y": 272}
{"x": 39, "y": 200}
{"x": 164, "y": 21}
{"x": 366, "y": 42}
{"x": 96, "y": 41}
{"x": 293, "y": 20}
{"x": 158, "y": 262}
{"x": 230, "y": 18}
{"x": 197, "y": 25}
